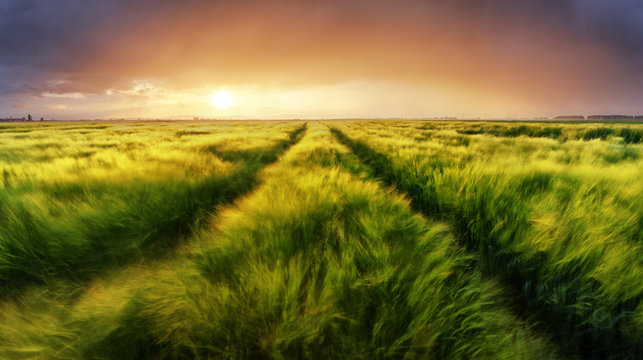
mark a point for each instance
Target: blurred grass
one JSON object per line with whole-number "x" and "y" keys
{"x": 79, "y": 226}
{"x": 121, "y": 241}
{"x": 560, "y": 222}
{"x": 317, "y": 263}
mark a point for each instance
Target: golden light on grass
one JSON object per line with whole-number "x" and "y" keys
{"x": 222, "y": 99}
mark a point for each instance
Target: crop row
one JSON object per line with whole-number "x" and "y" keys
{"x": 318, "y": 263}
{"x": 75, "y": 230}
{"x": 579, "y": 281}
{"x": 629, "y": 135}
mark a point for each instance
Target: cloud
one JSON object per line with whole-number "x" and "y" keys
{"x": 550, "y": 52}
{"x": 74, "y": 95}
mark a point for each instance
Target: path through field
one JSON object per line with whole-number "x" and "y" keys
{"x": 57, "y": 319}
{"x": 312, "y": 253}
{"x": 318, "y": 262}
{"x": 556, "y": 289}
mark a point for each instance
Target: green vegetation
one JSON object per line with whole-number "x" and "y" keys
{"x": 632, "y": 134}
{"x": 77, "y": 226}
{"x": 317, "y": 263}
{"x": 561, "y": 223}
{"x": 285, "y": 240}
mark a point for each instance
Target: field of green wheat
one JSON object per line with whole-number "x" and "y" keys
{"x": 321, "y": 240}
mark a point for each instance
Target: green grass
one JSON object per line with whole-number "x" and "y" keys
{"x": 77, "y": 229}
{"x": 569, "y": 244}
{"x": 280, "y": 240}
{"x": 317, "y": 263}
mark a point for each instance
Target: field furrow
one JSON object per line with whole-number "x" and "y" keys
{"x": 319, "y": 262}
{"x": 75, "y": 229}
{"x": 324, "y": 240}
{"x": 565, "y": 277}
{"x": 67, "y": 319}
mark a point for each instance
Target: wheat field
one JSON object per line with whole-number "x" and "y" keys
{"x": 321, "y": 240}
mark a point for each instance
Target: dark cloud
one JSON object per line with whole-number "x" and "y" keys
{"x": 587, "y": 49}
{"x": 617, "y": 23}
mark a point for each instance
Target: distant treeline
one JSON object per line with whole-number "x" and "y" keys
{"x": 599, "y": 117}
{"x": 630, "y": 136}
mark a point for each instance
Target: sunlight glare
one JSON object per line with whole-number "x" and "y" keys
{"x": 222, "y": 99}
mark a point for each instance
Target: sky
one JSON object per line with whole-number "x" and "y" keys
{"x": 73, "y": 59}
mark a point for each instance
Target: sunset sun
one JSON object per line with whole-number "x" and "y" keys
{"x": 222, "y": 99}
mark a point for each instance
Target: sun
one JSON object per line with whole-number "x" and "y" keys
{"x": 222, "y": 99}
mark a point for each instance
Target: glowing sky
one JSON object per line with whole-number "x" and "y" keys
{"x": 320, "y": 59}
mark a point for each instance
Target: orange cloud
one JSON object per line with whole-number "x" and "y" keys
{"x": 498, "y": 58}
